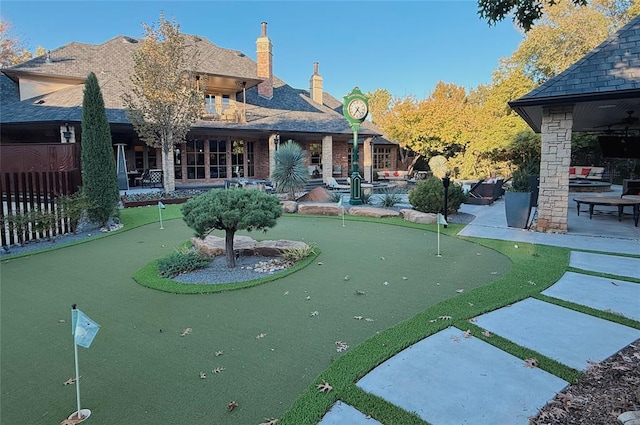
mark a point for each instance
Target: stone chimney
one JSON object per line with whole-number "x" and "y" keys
{"x": 264, "y": 57}
{"x": 315, "y": 85}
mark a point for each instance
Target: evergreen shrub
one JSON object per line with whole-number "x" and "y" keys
{"x": 428, "y": 196}
{"x": 183, "y": 260}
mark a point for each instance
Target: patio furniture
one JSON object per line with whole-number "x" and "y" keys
{"x": 484, "y": 193}
{"x": 333, "y": 184}
{"x": 151, "y": 178}
{"x": 621, "y": 202}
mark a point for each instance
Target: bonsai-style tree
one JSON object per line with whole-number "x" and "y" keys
{"x": 290, "y": 170}
{"x": 231, "y": 210}
{"x": 99, "y": 181}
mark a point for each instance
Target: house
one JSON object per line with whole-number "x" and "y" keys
{"x": 247, "y": 112}
{"x": 599, "y": 93}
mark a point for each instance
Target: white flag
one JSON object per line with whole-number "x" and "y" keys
{"x": 441, "y": 220}
{"x": 160, "y": 205}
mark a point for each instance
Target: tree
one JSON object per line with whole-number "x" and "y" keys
{"x": 12, "y": 50}
{"x": 99, "y": 181}
{"x": 525, "y": 12}
{"x": 290, "y": 172}
{"x": 231, "y": 210}
{"x": 167, "y": 96}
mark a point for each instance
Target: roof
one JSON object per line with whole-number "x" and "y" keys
{"x": 289, "y": 110}
{"x": 610, "y": 71}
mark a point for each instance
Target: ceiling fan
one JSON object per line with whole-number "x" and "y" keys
{"x": 625, "y": 122}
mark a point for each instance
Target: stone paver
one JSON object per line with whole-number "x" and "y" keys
{"x": 343, "y": 414}
{"x": 448, "y": 379}
{"x": 565, "y": 335}
{"x": 613, "y": 295}
{"x": 610, "y": 264}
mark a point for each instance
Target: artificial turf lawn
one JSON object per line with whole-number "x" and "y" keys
{"x": 140, "y": 370}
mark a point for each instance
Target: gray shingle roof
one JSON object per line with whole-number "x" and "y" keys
{"x": 289, "y": 110}
{"x": 611, "y": 67}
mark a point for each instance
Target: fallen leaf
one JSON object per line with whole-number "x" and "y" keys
{"x": 477, "y": 253}
{"x": 320, "y": 263}
{"x": 271, "y": 421}
{"x": 308, "y": 298}
{"x": 385, "y": 283}
{"x": 470, "y": 304}
{"x": 346, "y": 277}
{"x": 62, "y": 321}
{"x": 382, "y": 258}
{"x": 261, "y": 336}
{"x": 314, "y": 314}
{"x": 324, "y": 387}
{"x": 444, "y": 317}
{"x": 613, "y": 283}
{"x": 368, "y": 319}
{"x": 455, "y": 338}
{"x": 487, "y": 334}
{"x": 473, "y": 320}
{"x": 404, "y": 278}
{"x": 433, "y": 320}
{"x": 531, "y": 362}
{"x": 467, "y": 333}
{"x": 286, "y": 292}
{"x": 232, "y": 405}
{"x": 341, "y": 346}
{"x": 360, "y": 292}
{"x": 203, "y": 375}
{"x": 217, "y": 370}
{"x": 459, "y": 291}
{"x": 219, "y": 353}
{"x": 494, "y": 273}
{"x": 187, "y": 331}
{"x": 531, "y": 282}
{"x": 358, "y": 317}
{"x": 71, "y": 381}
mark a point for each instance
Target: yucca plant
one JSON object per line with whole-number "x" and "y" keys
{"x": 290, "y": 170}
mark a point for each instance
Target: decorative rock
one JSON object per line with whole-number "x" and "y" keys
{"x": 289, "y": 206}
{"x": 418, "y": 217}
{"x": 630, "y": 418}
{"x": 373, "y": 212}
{"x": 276, "y": 248}
{"x": 319, "y": 209}
{"x": 317, "y": 194}
{"x": 214, "y": 245}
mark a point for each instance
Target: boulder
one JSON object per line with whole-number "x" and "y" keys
{"x": 214, "y": 245}
{"x": 289, "y": 206}
{"x": 373, "y": 212}
{"x": 276, "y": 248}
{"x": 319, "y": 209}
{"x": 418, "y": 217}
{"x": 317, "y": 194}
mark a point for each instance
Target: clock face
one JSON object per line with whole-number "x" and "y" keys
{"x": 358, "y": 109}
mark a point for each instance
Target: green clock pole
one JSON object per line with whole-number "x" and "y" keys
{"x": 356, "y": 187}
{"x": 355, "y": 110}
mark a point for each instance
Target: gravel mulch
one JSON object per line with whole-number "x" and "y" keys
{"x": 607, "y": 390}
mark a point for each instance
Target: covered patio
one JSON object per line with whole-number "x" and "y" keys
{"x": 599, "y": 93}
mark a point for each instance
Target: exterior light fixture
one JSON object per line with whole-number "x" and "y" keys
{"x": 67, "y": 133}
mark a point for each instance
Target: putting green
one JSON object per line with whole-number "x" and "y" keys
{"x": 140, "y": 370}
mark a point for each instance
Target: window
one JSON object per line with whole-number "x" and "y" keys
{"x": 315, "y": 153}
{"x": 251, "y": 165}
{"x": 210, "y": 103}
{"x": 217, "y": 159}
{"x": 195, "y": 159}
{"x": 382, "y": 158}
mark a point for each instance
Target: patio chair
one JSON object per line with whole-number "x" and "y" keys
{"x": 151, "y": 178}
{"x": 333, "y": 184}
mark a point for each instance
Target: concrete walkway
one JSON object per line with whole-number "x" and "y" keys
{"x": 451, "y": 379}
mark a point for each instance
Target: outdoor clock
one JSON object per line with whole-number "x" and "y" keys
{"x": 358, "y": 109}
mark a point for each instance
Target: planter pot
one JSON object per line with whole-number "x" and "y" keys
{"x": 132, "y": 204}
{"x": 517, "y": 206}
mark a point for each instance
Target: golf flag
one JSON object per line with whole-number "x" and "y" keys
{"x": 340, "y": 202}
{"x": 84, "y": 329}
{"x": 441, "y": 220}
{"x": 161, "y": 205}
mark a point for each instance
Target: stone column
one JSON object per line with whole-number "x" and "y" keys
{"x": 553, "y": 200}
{"x": 327, "y": 157}
{"x": 272, "y": 152}
{"x": 367, "y": 159}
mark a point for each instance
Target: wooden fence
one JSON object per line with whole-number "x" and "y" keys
{"x": 30, "y": 197}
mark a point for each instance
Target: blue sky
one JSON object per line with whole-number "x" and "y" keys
{"x": 405, "y": 47}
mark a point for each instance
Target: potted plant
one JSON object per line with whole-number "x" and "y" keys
{"x": 517, "y": 200}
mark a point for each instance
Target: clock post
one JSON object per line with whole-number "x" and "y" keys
{"x": 355, "y": 109}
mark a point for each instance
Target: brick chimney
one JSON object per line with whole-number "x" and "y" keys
{"x": 315, "y": 85}
{"x": 265, "y": 63}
